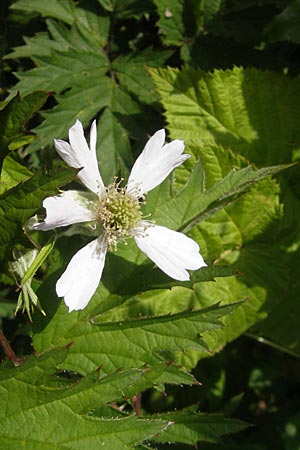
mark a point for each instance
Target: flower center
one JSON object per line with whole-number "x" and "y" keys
{"x": 118, "y": 213}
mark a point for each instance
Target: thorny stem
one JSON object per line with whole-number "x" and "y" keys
{"x": 9, "y": 351}
{"x": 137, "y": 404}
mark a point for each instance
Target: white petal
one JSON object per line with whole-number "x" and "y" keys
{"x": 82, "y": 275}
{"x": 77, "y": 154}
{"x": 64, "y": 209}
{"x": 155, "y": 163}
{"x": 172, "y": 252}
{"x": 93, "y": 138}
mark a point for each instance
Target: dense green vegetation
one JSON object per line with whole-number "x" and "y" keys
{"x": 152, "y": 362}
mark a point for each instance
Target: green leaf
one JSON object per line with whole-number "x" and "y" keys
{"x": 23, "y": 268}
{"x": 190, "y": 427}
{"x": 210, "y": 8}
{"x": 78, "y": 59}
{"x": 126, "y": 8}
{"x": 132, "y": 74}
{"x": 86, "y": 82}
{"x": 38, "y": 261}
{"x": 59, "y": 10}
{"x": 69, "y": 67}
{"x": 279, "y": 329}
{"x": 124, "y": 278}
{"x": 20, "y": 203}
{"x": 113, "y": 147}
{"x": 12, "y": 173}
{"x": 13, "y": 118}
{"x": 97, "y": 94}
{"x": 285, "y": 26}
{"x": 221, "y": 108}
{"x": 222, "y": 123}
{"x": 191, "y": 205}
{"x": 171, "y": 20}
{"x": 147, "y": 338}
{"x": 55, "y": 416}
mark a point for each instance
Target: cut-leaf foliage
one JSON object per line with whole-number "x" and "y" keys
{"x": 22, "y": 201}
{"x": 87, "y": 82}
{"x": 13, "y": 118}
{"x": 127, "y": 273}
{"x": 190, "y": 427}
{"x": 30, "y": 394}
{"x": 13, "y": 172}
{"x": 225, "y": 108}
{"x": 285, "y": 26}
{"x": 125, "y": 343}
{"x": 226, "y": 117}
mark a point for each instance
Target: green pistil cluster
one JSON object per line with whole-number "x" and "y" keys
{"x": 118, "y": 213}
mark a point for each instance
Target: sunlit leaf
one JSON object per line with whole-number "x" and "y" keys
{"x": 29, "y": 399}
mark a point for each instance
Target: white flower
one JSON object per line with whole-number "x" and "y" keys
{"x": 117, "y": 212}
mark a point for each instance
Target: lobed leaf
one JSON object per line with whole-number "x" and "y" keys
{"x": 59, "y": 10}
{"x": 285, "y": 25}
{"x": 224, "y": 108}
{"x": 224, "y": 124}
{"x": 190, "y": 427}
{"x": 21, "y": 202}
{"x": 28, "y": 399}
{"x": 126, "y": 343}
{"x": 13, "y": 118}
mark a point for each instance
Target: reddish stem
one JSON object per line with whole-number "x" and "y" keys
{"x": 137, "y": 404}
{"x": 9, "y": 351}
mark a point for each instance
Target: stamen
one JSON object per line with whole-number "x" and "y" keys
{"x": 119, "y": 214}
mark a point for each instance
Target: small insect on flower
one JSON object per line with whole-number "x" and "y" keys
{"x": 116, "y": 212}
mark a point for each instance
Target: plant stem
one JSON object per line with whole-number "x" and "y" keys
{"x": 9, "y": 351}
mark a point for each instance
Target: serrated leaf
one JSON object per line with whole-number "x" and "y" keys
{"x": 60, "y": 10}
{"x": 97, "y": 94}
{"x": 280, "y": 328}
{"x": 21, "y": 202}
{"x": 190, "y": 427}
{"x": 222, "y": 124}
{"x": 12, "y": 173}
{"x": 77, "y": 58}
{"x": 221, "y": 108}
{"x": 126, "y": 8}
{"x": 191, "y": 205}
{"x": 124, "y": 278}
{"x": 85, "y": 80}
{"x": 285, "y": 26}
{"x": 13, "y": 118}
{"x": 143, "y": 337}
{"x": 132, "y": 74}
{"x": 93, "y": 25}
{"x": 210, "y": 8}
{"x": 113, "y": 147}
{"x": 69, "y": 67}
{"x": 171, "y": 20}
{"x": 29, "y": 401}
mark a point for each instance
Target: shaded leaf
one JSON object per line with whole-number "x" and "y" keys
{"x": 12, "y": 173}
{"x": 22, "y": 201}
{"x": 190, "y": 427}
{"x": 13, "y": 118}
{"x": 285, "y": 26}
{"x": 171, "y": 20}
{"x": 60, "y": 10}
